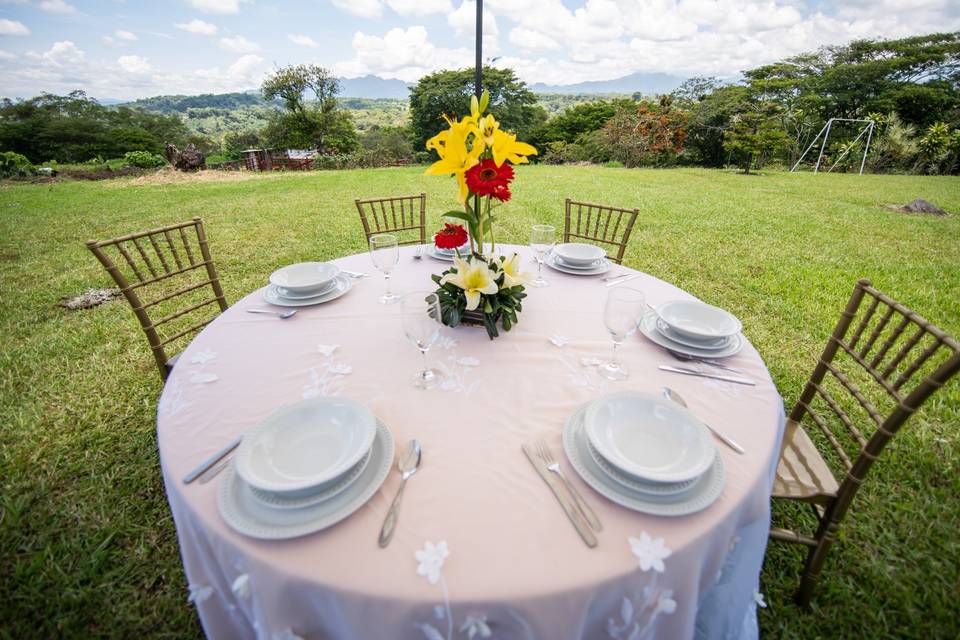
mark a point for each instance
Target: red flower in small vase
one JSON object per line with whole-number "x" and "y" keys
{"x": 487, "y": 179}
{"x": 451, "y": 236}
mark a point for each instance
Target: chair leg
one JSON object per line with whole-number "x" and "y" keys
{"x": 815, "y": 559}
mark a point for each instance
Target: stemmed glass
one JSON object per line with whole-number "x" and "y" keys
{"x": 621, "y": 313}
{"x": 385, "y": 254}
{"x": 542, "y": 239}
{"x": 420, "y": 313}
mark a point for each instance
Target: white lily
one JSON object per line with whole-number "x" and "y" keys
{"x": 475, "y": 278}
{"x": 512, "y": 276}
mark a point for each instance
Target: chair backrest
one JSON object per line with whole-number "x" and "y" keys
{"x": 174, "y": 263}
{"x": 395, "y": 215}
{"x": 881, "y": 364}
{"x": 599, "y": 223}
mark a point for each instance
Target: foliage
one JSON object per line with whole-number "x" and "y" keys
{"x": 754, "y": 136}
{"x": 307, "y": 126}
{"x": 75, "y": 128}
{"x": 580, "y": 119}
{"x": 498, "y": 309}
{"x": 14, "y": 165}
{"x": 392, "y": 144}
{"x": 144, "y": 159}
{"x": 236, "y": 142}
{"x": 446, "y": 93}
{"x": 646, "y": 135}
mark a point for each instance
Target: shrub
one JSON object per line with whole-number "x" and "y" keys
{"x": 14, "y": 165}
{"x": 144, "y": 159}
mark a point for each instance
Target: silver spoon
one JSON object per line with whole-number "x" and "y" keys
{"x": 280, "y": 314}
{"x": 407, "y": 466}
{"x": 685, "y": 358}
{"x": 670, "y": 394}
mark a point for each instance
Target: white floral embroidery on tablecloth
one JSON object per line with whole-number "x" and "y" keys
{"x": 637, "y": 618}
{"x": 285, "y": 634}
{"x": 202, "y": 377}
{"x": 326, "y": 379}
{"x": 729, "y": 389}
{"x": 203, "y": 357}
{"x": 172, "y": 401}
{"x": 241, "y": 586}
{"x": 758, "y": 600}
{"x": 456, "y": 372}
{"x": 430, "y": 561}
{"x": 583, "y": 372}
{"x": 199, "y": 593}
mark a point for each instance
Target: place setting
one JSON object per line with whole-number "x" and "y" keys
{"x": 572, "y": 258}
{"x": 695, "y": 332}
{"x": 304, "y": 468}
{"x": 305, "y": 284}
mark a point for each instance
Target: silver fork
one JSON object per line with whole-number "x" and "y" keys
{"x": 685, "y": 358}
{"x": 552, "y": 465}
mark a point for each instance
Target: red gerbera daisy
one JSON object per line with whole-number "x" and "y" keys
{"x": 451, "y": 236}
{"x": 487, "y": 179}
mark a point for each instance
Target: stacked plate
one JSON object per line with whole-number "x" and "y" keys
{"x": 306, "y": 283}
{"x": 645, "y": 453}
{"x": 304, "y": 468}
{"x": 578, "y": 259}
{"x": 448, "y": 254}
{"x": 694, "y": 328}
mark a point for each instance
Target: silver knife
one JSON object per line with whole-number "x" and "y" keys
{"x": 622, "y": 280}
{"x": 703, "y": 374}
{"x": 212, "y": 460}
{"x": 568, "y": 507}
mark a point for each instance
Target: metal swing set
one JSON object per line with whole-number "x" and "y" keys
{"x": 825, "y": 132}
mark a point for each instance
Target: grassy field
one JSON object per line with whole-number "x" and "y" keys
{"x": 87, "y": 544}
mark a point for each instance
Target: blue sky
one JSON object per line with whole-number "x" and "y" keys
{"x": 130, "y": 48}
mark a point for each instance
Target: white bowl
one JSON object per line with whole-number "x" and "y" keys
{"x": 648, "y": 437}
{"x": 579, "y": 254}
{"x": 698, "y": 320}
{"x": 305, "y": 277}
{"x": 305, "y": 444}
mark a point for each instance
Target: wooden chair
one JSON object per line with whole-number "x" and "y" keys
{"x": 395, "y": 215}
{"x": 599, "y": 223}
{"x": 174, "y": 263}
{"x": 861, "y": 392}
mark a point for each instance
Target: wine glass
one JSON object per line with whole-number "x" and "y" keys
{"x": 420, "y": 313}
{"x": 385, "y": 254}
{"x": 542, "y": 239}
{"x": 621, "y": 314}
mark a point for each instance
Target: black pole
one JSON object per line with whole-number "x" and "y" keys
{"x": 478, "y": 81}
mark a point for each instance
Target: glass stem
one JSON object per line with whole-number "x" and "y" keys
{"x": 539, "y": 267}
{"x": 613, "y": 360}
{"x": 387, "y": 277}
{"x": 423, "y": 352}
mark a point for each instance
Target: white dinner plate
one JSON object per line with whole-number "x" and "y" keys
{"x": 658, "y": 489}
{"x": 322, "y": 493}
{"x": 649, "y": 437}
{"x": 303, "y": 445}
{"x": 701, "y": 495}
{"x": 699, "y": 320}
{"x": 292, "y": 295}
{"x": 579, "y": 254}
{"x": 248, "y": 516}
{"x": 553, "y": 261}
{"x": 343, "y": 284}
{"x": 439, "y": 254}
{"x": 648, "y": 327}
{"x": 713, "y": 344}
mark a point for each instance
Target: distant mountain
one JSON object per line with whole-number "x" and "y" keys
{"x": 373, "y": 87}
{"x": 645, "y": 83}
{"x": 180, "y": 104}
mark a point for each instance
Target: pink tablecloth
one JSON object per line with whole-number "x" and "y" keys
{"x": 516, "y": 568}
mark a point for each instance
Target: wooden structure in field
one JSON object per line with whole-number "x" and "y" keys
{"x": 278, "y": 159}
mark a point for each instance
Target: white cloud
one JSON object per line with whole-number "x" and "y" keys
{"x": 302, "y": 40}
{"x": 420, "y": 7}
{"x": 134, "y": 64}
{"x": 61, "y": 54}
{"x": 361, "y": 8}
{"x": 464, "y": 20}
{"x": 406, "y": 54}
{"x": 13, "y": 28}
{"x": 216, "y": 6}
{"x": 6, "y": 55}
{"x": 57, "y": 6}
{"x": 238, "y": 44}
{"x": 197, "y": 27}
{"x": 530, "y": 40}
{"x": 126, "y": 36}
{"x": 245, "y": 67}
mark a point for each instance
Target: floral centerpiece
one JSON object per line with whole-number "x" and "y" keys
{"x": 481, "y": 287}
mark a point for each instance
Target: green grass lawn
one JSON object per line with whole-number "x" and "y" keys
{"x": 87, "y": 544}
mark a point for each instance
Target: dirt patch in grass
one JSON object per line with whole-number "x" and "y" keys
{"x": 172, "y": 176}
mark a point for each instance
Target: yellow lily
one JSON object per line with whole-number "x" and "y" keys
{"x": 475, "y": 278}
{"x": 507, "y": 149}
{"x": 456, "y": 157}
{"x": 512, "y": 276}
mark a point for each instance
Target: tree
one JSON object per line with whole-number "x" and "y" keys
{"x": 648, "y": 134}
{"x": 754, "y": 135}
{"x": 572, "y": 123}
{"x": 448, "y": 93}
{"x": 304, "y": 125}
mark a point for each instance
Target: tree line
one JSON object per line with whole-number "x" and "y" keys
{"x": 910, "y": 89}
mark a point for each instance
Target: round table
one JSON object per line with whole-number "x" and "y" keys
{"x": 516, "y": 567}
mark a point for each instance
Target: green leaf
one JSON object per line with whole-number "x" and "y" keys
{"x": 469, "y": 218}
{"x": 484, "y": 101}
